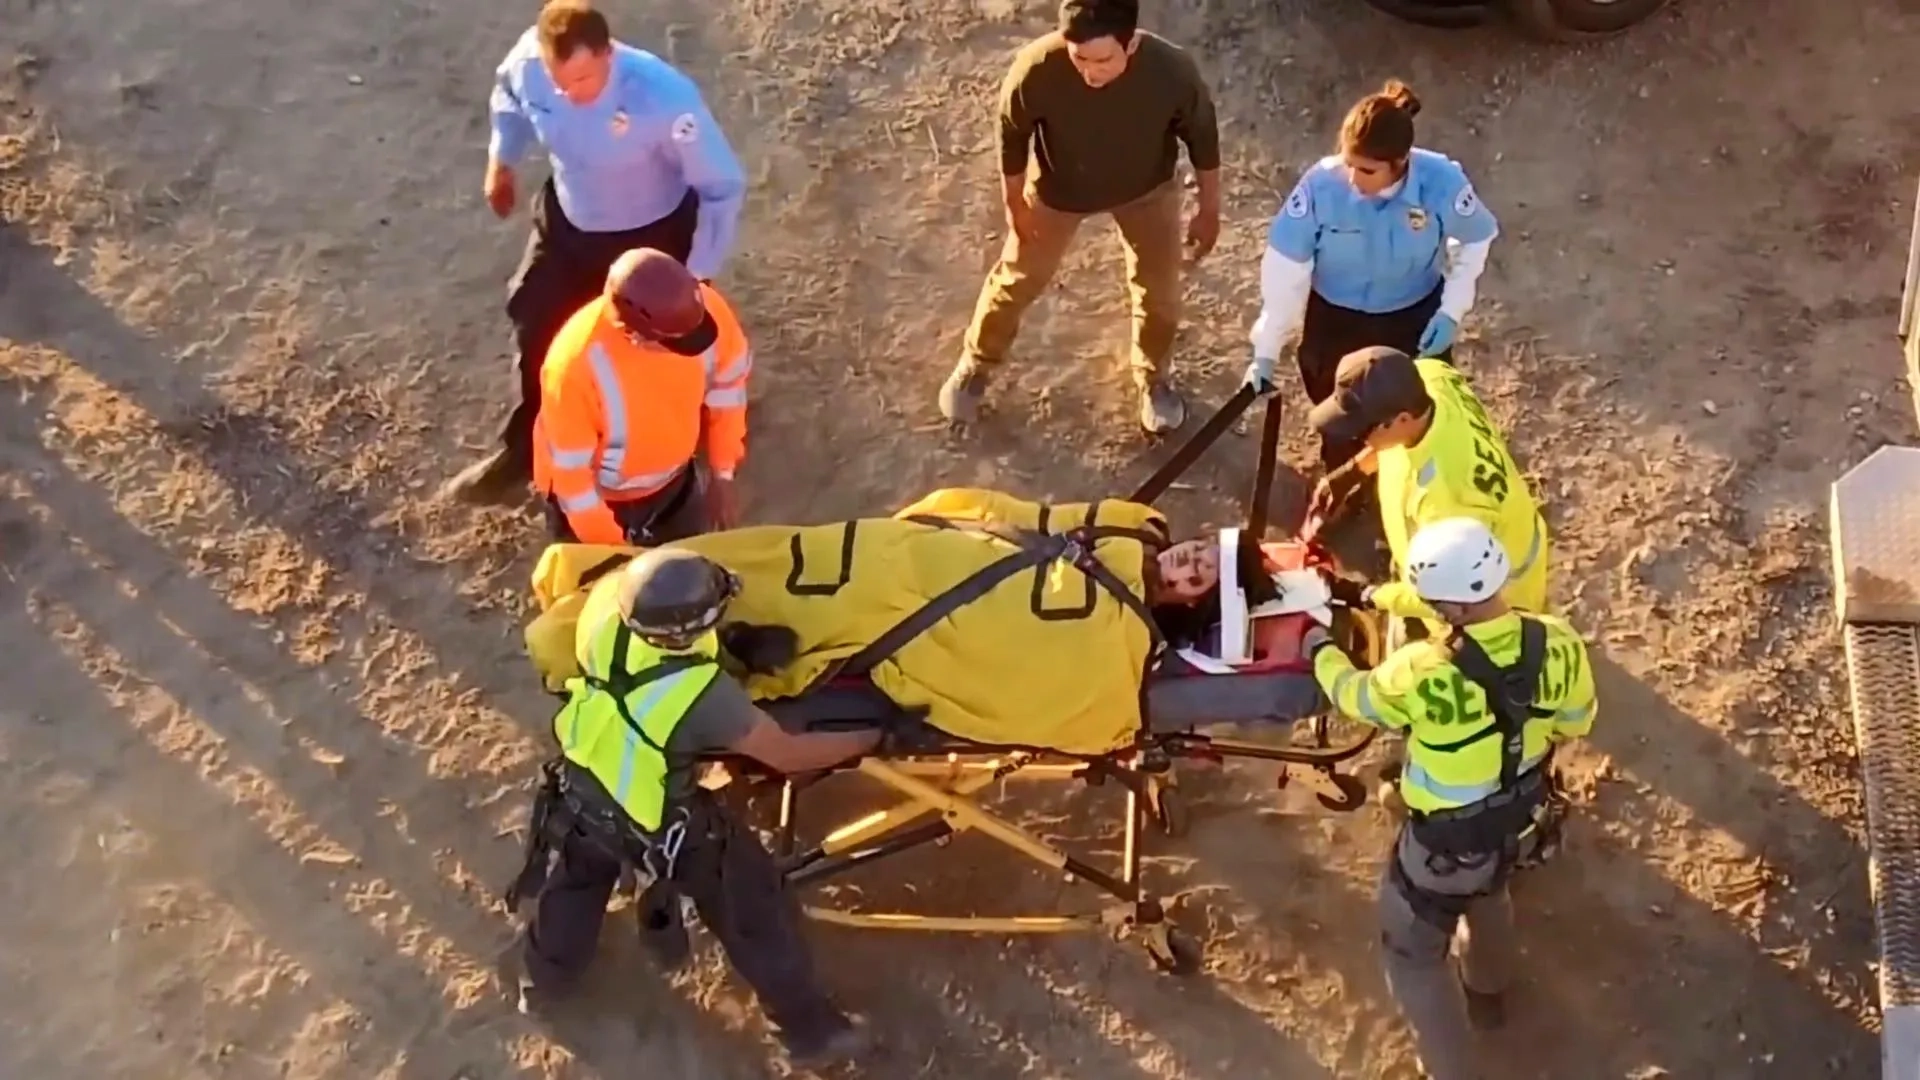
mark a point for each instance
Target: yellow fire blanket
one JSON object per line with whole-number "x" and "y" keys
{"x": 1021, "y": 638}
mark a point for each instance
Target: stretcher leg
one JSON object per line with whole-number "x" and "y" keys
{"x": 961, "y": 813}
{"x": 899, "y": 829}
{"x": 882, "y": 822}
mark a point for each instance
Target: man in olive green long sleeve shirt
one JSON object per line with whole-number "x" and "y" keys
{"x": 1101, "y": 109}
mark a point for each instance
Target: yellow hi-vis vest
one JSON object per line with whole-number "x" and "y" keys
{"x": 1460, "y": 748}
{"x": 622, "y": 708}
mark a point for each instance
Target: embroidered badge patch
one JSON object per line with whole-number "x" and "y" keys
{"x": 1297, "y": 204}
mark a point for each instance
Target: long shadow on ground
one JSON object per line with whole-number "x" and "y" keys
{"x": 272, "y": 482}
{"x": 282, "y": 896}
{"x": 1041, "y": 1000}
{"x": 1613, "y": 944}
{"x": 412, "y": 853}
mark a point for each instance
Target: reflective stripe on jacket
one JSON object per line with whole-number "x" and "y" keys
{"x": 620, "y": 420}
{"x": 622, "y": 710}
{"x": 1453, "y": 744}
{"x": 1461, "y": 467}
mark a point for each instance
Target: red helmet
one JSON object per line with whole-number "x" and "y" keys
{"x": 655, "y": 298}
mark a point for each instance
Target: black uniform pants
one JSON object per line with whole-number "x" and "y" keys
{"x": 675, "y": 512}
{"x": 563, "y": 268}
{"x": 1331, "y": 332}
{"x": 742, "y": 900}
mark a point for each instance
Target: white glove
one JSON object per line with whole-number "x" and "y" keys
{"x": 1260, "y": 375}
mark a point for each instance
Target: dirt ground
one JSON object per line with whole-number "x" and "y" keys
{"x": 265, "y": 724}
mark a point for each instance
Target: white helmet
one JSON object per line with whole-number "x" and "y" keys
{"x": 1457, "y": 561}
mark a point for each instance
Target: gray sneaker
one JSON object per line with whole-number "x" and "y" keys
{"x": 1162, "y": 409}
{"x": 961, "y": 394}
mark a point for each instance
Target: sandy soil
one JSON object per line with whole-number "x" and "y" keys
{"x": 264, "y": 725}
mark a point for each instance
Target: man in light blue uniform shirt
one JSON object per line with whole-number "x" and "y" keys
{"x": 1381, "y": 244}
{"x": 638, "y": 161}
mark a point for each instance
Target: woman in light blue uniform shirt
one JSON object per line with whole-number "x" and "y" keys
{"x": 1379, "y": 244}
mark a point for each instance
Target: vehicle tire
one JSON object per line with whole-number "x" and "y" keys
{"x": 1440, "y": 14}
{"x": 1581, "y": 20}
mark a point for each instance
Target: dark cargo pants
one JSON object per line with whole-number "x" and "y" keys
{"x": 675, "y": 512}
{"x": 742, "y": 901}
{"x": 562, "y": 268}
{"x": 1331, "y": 332}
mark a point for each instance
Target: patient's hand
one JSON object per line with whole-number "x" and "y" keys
{"x": 761, "y": 650}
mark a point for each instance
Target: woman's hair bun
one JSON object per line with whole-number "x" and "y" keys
{"x": 1402, "y": 97}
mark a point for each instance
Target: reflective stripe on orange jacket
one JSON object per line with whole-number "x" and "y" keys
{"x": 620, "y": 420}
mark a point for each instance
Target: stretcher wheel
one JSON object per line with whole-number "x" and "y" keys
{"x": 1353, "y": 794}
{"x": 1171, "y": 813}
{"x": 1172, "y": 950}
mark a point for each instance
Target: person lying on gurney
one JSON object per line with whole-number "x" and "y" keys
{"x": 988, "y": 620}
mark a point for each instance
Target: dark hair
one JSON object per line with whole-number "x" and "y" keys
{"x": 1184, "y": 625}
{"x": 1380, "y": 126}
{"x": 567, "y": 26}
{"x": 1082, "y": 21}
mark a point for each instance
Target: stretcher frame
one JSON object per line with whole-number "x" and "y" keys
{"x": 942, "y": 782}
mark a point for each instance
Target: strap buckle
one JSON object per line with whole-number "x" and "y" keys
{"x": 662, "y": 854}
{"x": 1073, "y": 552}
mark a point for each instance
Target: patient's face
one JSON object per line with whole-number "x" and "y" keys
{"x": 1187, "y": 571}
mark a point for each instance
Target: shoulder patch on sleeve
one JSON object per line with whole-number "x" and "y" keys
{"x": 1300, "y": 203}
{"x": 1466, "y": 204}
{"x": 685, "y": 128}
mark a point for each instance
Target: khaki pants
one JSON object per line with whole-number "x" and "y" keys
{"x": 1150, "y": 232}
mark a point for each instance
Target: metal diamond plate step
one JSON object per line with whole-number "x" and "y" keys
{"x": 1876, "y": 551}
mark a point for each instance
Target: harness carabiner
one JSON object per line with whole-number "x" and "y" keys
{"x": 662, "y": 855}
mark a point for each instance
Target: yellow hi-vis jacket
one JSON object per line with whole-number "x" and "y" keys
{"x": 622, "y": 708}
{"x": 1020, "y": 634}
{"x": 1460, "y": 468}
{"x": 1454, "y": 743}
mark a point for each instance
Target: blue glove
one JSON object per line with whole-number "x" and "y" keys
{"x": 1260, "y": 375}
{"x": 1438, "y": 336}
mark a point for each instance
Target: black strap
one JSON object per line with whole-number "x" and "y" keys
{"x": 545, "y": 826}
{"x": 1197, "y": 444}
{"x": 602, "y": 568}
{"x": 620, "y": 683}
{"x": 1263, "y": 474}
{"x": 1509, "y": 690}
{"x": 1034, "y": 549}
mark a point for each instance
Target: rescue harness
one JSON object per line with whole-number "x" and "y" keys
{"x": 1518, "y": 825}
{"x": 570, "y": 801}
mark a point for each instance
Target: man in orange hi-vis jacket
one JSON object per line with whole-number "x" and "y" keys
{"x": 635, "y": 385}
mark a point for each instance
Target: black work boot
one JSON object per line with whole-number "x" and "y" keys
{"x": 529, "y": 998}
{"x": 495, "y": 480}
{"x": 1486, "y": 1012}
{"x": 848, "y": 1042}
{"x": 961, "y": 394}
{"x": 663, "y": 927}
{"x": 1162, "y": 409}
